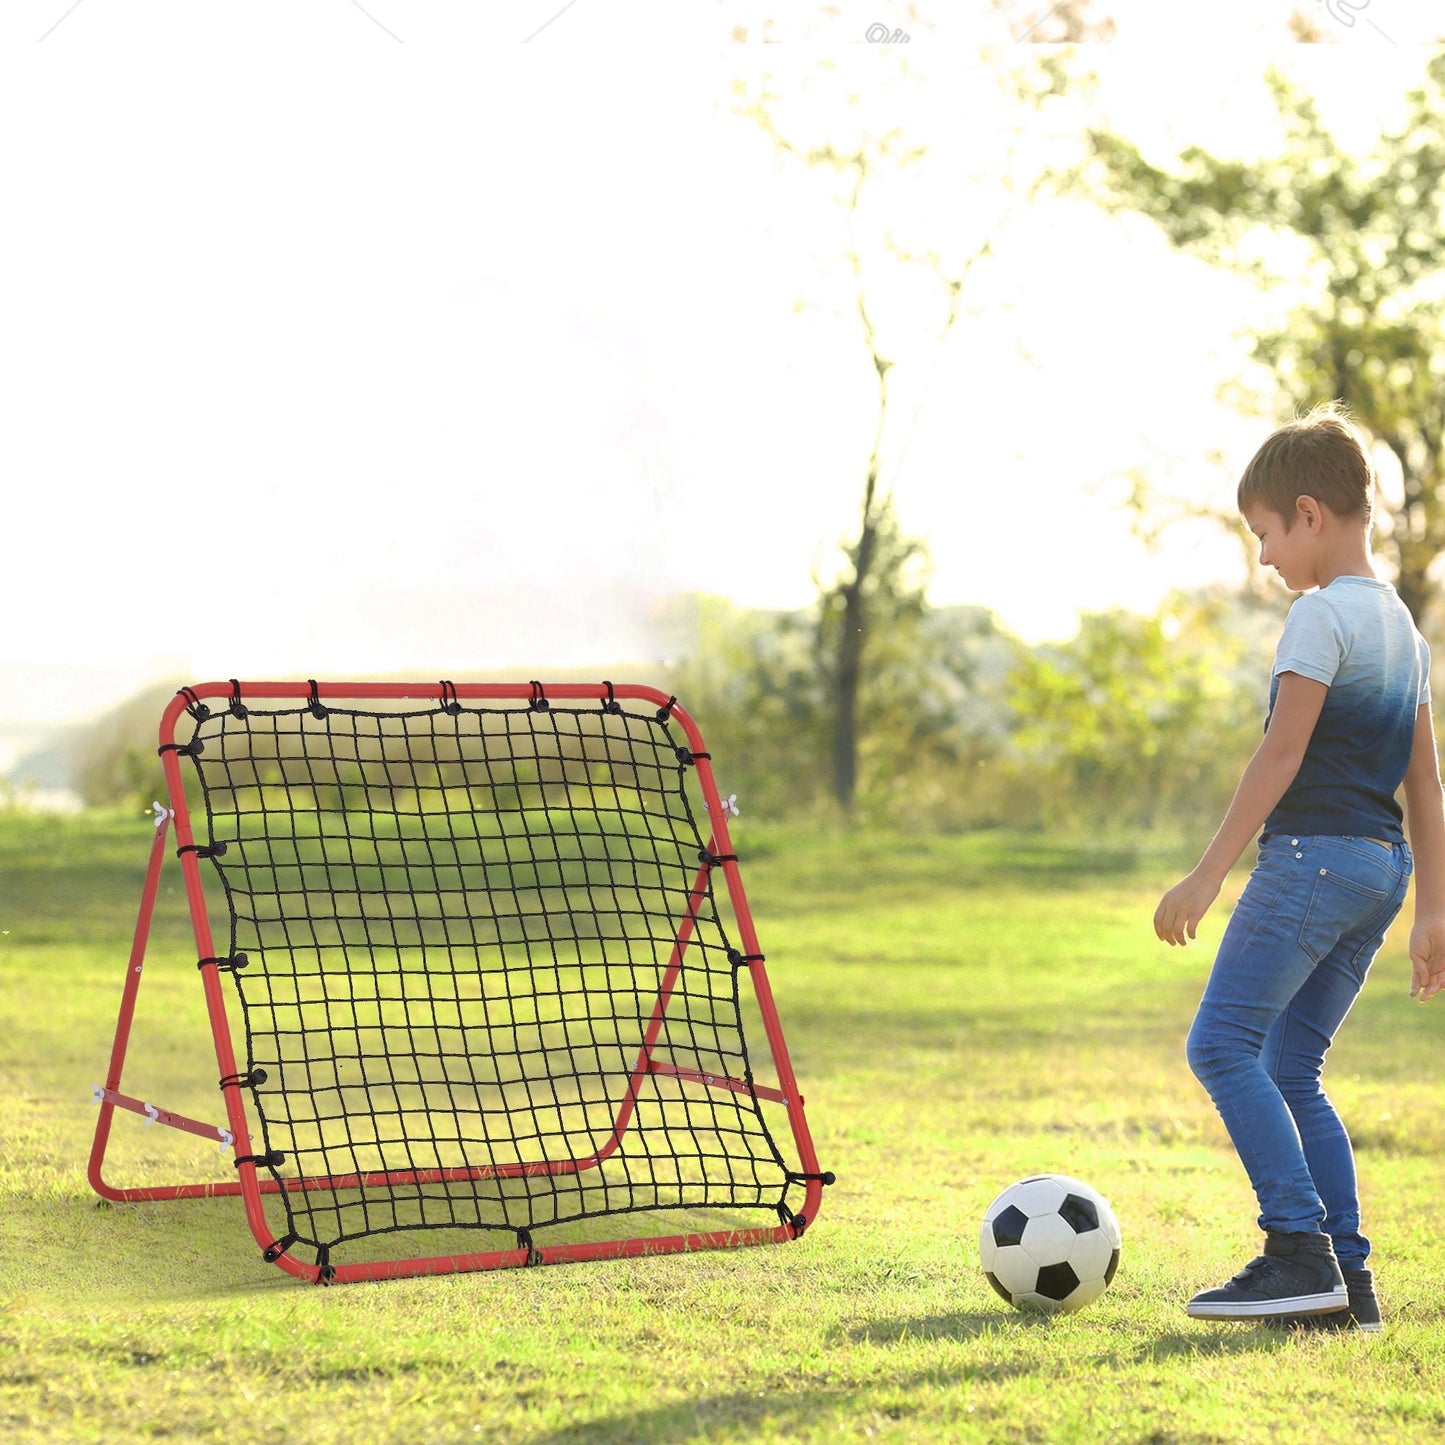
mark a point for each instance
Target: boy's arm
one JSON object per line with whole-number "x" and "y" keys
{"x": 1425, "y": 811}
{"x": 1270, "y": 771}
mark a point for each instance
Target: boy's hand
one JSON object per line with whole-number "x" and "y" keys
{"x": 1181, "y": 908}
{"x": 1427, "y": 958}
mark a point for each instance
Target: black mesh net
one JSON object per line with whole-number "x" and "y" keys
{"x": 449, "y": 929}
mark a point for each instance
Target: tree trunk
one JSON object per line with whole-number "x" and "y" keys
{"x": 845, "y": 699}
{"x": 852, "y": 641}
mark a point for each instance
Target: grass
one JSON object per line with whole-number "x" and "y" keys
{"x": 961, "y": 1011}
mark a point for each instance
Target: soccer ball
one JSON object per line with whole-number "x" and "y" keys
{"x": 1049, "y": 1242}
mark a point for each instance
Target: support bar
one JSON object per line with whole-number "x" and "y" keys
{"x": 162, "y": 1116}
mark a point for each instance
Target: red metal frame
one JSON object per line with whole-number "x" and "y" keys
{"x": 251, "y": 1186}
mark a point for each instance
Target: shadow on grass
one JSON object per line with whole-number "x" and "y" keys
{"x": 167, "y": 1251}
{"x": 957, "y": 1325}
{"x": 137, "y": 1253}
{"x": 764, "y": 1412}
{"x": 769, "y": 1411}
{"x": 965, "y": 1325}
{"x": 1243, "y": 1338}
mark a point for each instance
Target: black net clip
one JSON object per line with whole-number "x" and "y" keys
{"x": 186, "y": 750}
{"x": 272, "y": 1160}
{"x": 796, "y": 1222}
{"x": 710, "y": 860}
{"x": 225, "y": 965}
{"x": 449, "y": 701}
{"x": 202, "y": 850}
{"x": 538, "y": 702}
{"x": 313, "y": 703}
{"x": 524, "y": 1241}
{"x": 665, "y": 711}
{"x": 825, "y": 1178}
{"x": 741, "y": 960}
{"x": 244, "y": 1081}
{"x": 687, "y": 757}
{"x": 238, "y": 708}
{"x": 610, "y": 703}
{"x": 273, "y": 1252}
{"x": 194, "y": 705}
{"x": 325, "y": 1270}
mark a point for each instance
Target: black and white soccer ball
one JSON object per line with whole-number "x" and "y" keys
{"x": 1049, "y": 1242}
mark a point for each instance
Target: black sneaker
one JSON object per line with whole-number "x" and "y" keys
{"x": 1362, "y": 1313}
{"x": 1297, "y": 1275}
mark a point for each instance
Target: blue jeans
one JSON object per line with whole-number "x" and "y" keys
{"x": 1290, "y": 966}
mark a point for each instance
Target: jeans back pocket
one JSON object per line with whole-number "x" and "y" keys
{"x": 1339, "y": 906}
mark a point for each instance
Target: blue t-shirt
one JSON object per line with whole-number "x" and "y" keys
{"x": 1359, "y": 639}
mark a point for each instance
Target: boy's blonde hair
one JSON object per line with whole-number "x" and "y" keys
{"x": 1321, "y": 455}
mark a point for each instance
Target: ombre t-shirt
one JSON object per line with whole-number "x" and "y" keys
{"x": 1359, "y": 639}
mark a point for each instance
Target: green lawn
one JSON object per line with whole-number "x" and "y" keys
{"x": 960, "y": 1011}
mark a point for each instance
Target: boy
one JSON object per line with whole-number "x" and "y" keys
{"x": 1349, "y": 722}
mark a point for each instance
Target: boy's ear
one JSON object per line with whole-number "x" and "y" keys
{"x": 1309, "y": 511}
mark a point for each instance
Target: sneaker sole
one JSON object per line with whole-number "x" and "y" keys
{"x": 1307, "y": 1304}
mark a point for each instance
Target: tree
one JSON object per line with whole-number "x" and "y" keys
{"x": 1138, "y": 719}
{"x": 875, "y": 590}
{"x": 1357, "y": 241}
{"x": 851, "y": 606}
{"x": 878, "y": 587}
{"x": 881, "y": 597}
{"x": 932, "y": 694}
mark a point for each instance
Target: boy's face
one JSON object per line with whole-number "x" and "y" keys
{"x": 1287, "y": 549}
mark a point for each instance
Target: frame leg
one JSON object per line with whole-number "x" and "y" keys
{"x": 127, "y": 1011}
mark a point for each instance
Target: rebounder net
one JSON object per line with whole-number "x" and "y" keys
{"x": 490, "y": 966}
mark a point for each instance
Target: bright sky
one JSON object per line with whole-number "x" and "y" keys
{"x": 357, "y": 336}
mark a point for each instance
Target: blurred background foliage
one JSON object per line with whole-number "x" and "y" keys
{"x": 1136, "y": 722}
